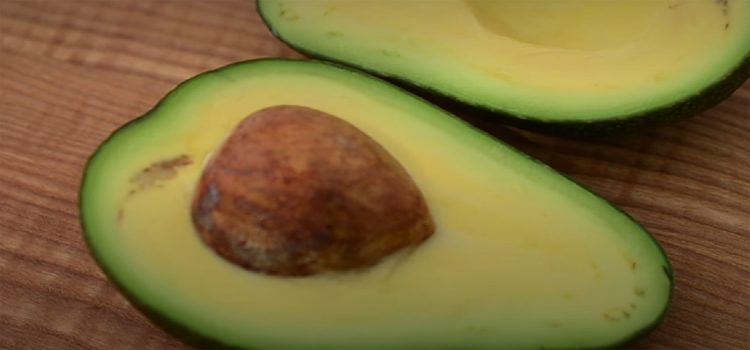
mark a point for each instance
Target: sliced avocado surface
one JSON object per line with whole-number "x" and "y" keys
{"x": 556, "y": 66}
{"x": 521, "y": 256}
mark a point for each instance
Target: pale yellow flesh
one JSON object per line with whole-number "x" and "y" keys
{"x": 507, "y": 246}
{"x": 559, "y": 59}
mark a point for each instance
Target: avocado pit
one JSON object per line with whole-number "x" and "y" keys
{"x": 294, "y": 191}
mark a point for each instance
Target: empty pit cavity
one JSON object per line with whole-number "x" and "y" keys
{"x": 570, "y": 24}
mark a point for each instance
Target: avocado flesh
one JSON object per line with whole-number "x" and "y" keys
{"x": 547, "y": 65}
{"x": 522, "y": 257}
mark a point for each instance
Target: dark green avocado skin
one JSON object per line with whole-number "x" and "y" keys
{"x": 204, "y": 342}
{"x": 701, "y": 101}
{"x": 166, "y": 324}
{"x": 198, "y": 340}
{"x": 691, "y": 106}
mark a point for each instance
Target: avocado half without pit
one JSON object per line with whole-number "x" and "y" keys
{"x": 285, "y": 204}
{"x": 295, "y": 191}
{"x": 566, "y": 67}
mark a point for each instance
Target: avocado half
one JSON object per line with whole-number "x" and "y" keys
{"x": 565, "y": 67}
{"x": 521, "y": 257}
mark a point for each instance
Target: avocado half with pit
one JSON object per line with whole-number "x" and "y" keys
{"x": 566, "y": 67}
{"x": 289, "y": 204}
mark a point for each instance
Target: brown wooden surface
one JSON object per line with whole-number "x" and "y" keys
{"x": 73, "y": 71}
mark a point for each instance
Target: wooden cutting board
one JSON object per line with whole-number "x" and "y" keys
{"x": 73, "y": 71}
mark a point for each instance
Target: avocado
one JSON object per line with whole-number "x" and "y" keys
{"x": 562, "y": 67}
{"x": 225, "y": 214}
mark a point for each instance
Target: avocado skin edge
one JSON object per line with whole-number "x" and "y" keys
{"x": 163, "y": 322}
{"x": 197, "y": 340}
{"x": 658, "y": 117}
{"x": 709, "y": 97}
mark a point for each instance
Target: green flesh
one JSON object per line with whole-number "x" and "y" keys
{"x": 694, "y": 55}
{"x": 523, "y": 258}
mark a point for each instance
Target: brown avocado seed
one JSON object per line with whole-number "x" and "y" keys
{"x": 294, "y": 191}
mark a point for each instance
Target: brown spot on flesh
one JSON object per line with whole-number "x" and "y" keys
{"x": 616, "y": 314}
{"x": 724, "y": 11}
{"x": 159, "y": 171}
{"x": 294, "y": 192}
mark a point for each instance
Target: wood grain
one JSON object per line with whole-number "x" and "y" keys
{"x": 73, "y": 71}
